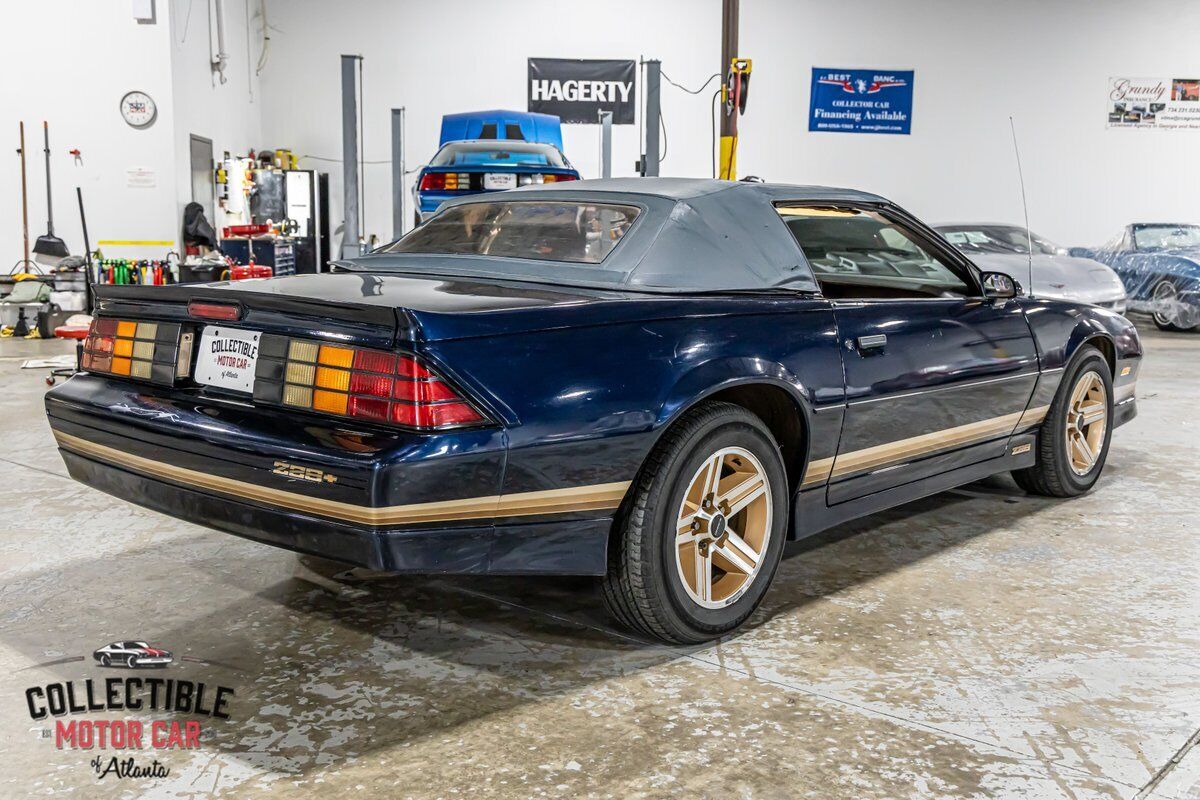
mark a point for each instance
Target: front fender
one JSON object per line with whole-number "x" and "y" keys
{"x": 1061, "y": 328}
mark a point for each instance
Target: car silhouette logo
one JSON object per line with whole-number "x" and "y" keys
{"x": 132, "y": 654}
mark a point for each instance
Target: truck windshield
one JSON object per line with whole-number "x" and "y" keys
{"x": 562, "y": 230}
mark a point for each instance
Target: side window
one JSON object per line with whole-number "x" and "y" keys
{"x": 859, "y": 254}
{"x": 488, "y": 131}
{"x": 512, "y": 131}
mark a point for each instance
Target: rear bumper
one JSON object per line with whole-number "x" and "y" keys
{"x": 378, "y": 498}
{"x": 569, "y": 547}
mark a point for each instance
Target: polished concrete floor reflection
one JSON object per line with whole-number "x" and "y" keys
{"x": 980, "y": 643}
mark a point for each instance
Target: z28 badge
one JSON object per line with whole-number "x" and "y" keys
{"x": 297, "y": 472}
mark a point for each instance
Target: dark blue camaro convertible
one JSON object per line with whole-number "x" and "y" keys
{"x": 654, "y": 381}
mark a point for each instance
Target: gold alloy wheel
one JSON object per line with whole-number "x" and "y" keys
{"x": 1087, "y": 420}
{"x": 723, "y": 529}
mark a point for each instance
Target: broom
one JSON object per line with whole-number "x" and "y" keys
{"x": 50, "y": 247}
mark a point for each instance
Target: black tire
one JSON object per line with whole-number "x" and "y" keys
{"x": 105, "y": 661}
{"x": 131, "y": 662}
{"x": 1052, "y": 474}
{"x": 643, "y": 588}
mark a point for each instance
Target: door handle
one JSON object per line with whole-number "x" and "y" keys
{"x": 872, "y": 342}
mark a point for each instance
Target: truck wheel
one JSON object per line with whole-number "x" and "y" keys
{"x": 1073, "y": 440}
{"x": 699, "y": 539}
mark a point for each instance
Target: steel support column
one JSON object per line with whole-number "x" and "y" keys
{"x": 605, "y": 144}
{"x": 653, "y": 117}
{"x": 398, "y": 209}
{"x": 350, "y": 231}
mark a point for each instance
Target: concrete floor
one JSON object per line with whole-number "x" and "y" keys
{"x": 980, "y": 643}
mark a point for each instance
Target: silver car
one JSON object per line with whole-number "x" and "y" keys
{"x": 997, "y": 247}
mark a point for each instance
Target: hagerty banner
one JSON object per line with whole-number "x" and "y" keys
{"x": 1154, "y": 103}
{"x": 577, "y": 89}
{"x": 861, "y": 100}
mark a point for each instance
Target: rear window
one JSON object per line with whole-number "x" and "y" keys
{"x": 498, "y": 154}
{"x": 571, "y": 231}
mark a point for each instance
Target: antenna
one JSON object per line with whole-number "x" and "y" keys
{"x": 1024, "y": 204}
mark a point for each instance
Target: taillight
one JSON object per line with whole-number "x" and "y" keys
{"x": 149, "y": 351}
{"x": 445, "y": 181}
{"x": 536, "y": 178}
{"x": 370, "y": 385}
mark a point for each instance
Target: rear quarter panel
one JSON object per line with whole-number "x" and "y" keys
{"x": 585, "y": 405}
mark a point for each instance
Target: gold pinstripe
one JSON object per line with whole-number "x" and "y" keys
{"x": 596, "y": 497}
{"x": 916, "y": 446}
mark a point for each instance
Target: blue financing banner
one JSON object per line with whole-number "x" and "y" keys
{"x": 861, "y": 101}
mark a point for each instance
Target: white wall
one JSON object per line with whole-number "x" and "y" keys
{"x": 230, "y": 112}
{"x": 75, "y": 80}
{"x": 1045, "y": 63}
{"x": 464, "y": 55}
{"x": 70, "y": 63}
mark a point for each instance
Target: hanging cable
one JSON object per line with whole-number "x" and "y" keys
{"x": 662, "y": 123}
{"x": 187, "y": 19}
{"x": 689, "y": 91}
{"x": 266, "y": 37}
{"x": 249, "y": 76}
{"x": 339, "y": 161}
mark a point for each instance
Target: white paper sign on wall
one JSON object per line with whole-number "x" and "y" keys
{"x": 141, "y": 178}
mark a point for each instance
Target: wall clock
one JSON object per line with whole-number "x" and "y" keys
{"x": 138, "y": 109}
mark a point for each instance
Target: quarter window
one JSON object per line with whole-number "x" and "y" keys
{"x": 860, "y": 254}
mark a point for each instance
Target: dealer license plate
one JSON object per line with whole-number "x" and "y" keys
{"x": 499, "y": 180}
{"x": 226, "y": 358}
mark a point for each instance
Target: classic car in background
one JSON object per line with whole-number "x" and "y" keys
{"x": 1159, "y": 264}
{"x": 491, "y": 151}
{"x": 1057, "y": 275}
{"x": 656, "y": 381}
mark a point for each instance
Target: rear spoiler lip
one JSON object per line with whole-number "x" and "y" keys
{"x": 365, "y": 324}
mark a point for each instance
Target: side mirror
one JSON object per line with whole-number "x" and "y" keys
{"x": 998, "y": 286}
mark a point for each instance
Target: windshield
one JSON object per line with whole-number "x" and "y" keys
{"x": 1166, "y": 237}
{"x": 561, "y": 230}
{"x": 997, "y": 239}
{"x": 498, "y": 154}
